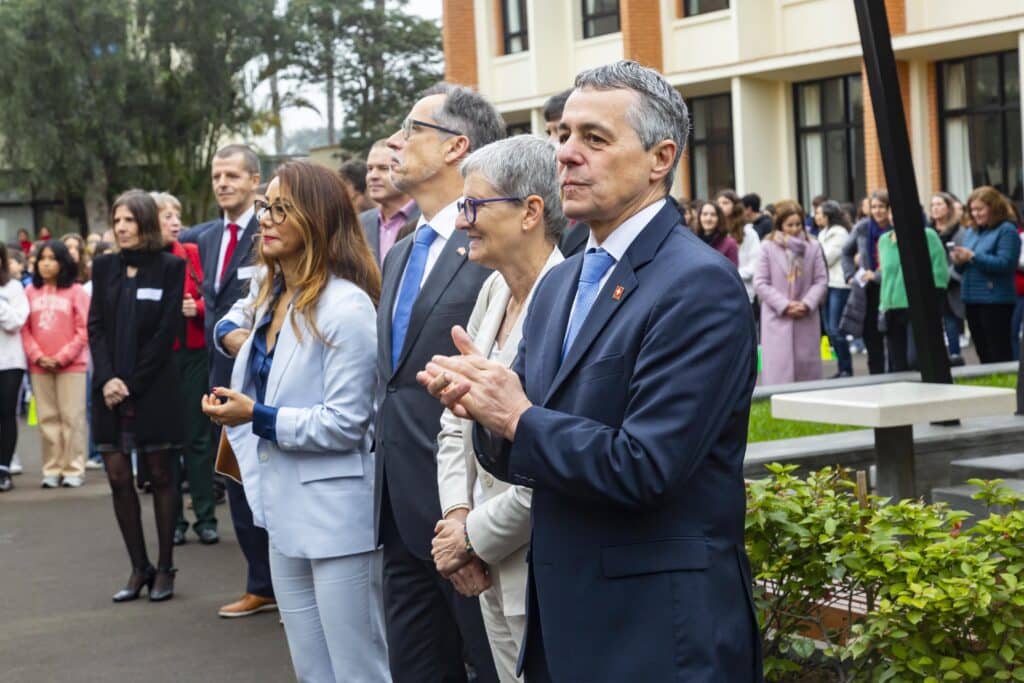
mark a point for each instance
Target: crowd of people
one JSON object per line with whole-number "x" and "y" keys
{"x": 471, "y": 404}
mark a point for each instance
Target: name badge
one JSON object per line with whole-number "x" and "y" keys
{"x": 149, "y": 294}
{"x": 246, "y": 272}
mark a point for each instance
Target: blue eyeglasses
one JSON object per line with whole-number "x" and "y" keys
{"x": 468, "y": 206}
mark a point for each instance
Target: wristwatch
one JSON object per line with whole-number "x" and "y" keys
{"x": 469, "y": 545}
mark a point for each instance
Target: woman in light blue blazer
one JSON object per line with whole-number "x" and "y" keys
{"x": 298, "y": 417}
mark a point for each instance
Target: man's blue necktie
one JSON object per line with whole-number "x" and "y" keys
{"x": 596, "y": 263}
{"x": 414, "y": 268}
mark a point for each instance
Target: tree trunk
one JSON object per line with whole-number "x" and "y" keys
{"x": 275, "y": 107}
{"x": 97, "y": 208}
{"x": 331, "y": 137}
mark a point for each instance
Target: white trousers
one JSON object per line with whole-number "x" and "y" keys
{"x": 333, "y": 616}
{"x": 504, "y": 633}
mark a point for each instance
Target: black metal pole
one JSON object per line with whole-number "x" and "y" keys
{"x": 894, "y": 141}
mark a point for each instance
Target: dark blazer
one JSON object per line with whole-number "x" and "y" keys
{"x": 191, "y": 235}
{"x": 370, "y": 221}
{"x": 408, "y": 418}
{"x": 574, "y": 240}
{"x": 218, "y": 303}
{"x": 153, "y": 386}
{"x": 859, "y": 242}
{"x": 634, "y": 449}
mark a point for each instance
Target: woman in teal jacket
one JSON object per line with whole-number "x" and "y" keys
{"x": 988, "y": 260}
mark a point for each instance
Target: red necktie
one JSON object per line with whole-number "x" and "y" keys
{"x": 232, "y": 243}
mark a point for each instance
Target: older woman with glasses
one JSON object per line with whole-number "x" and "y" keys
{"x": 513, "y": 217}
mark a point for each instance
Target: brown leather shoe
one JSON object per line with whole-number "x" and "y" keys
{"x": 247, "y": 605}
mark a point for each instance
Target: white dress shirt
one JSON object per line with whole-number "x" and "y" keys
{"x": 225, "y": 237}
{"x": 443, "y": 224}
{"x": 618, "y": 243}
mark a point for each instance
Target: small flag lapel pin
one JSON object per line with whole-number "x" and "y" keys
{"x": 461, "y": 251}
{"x": 617, "y": 294}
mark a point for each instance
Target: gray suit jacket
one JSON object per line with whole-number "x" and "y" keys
{"x": 370, "y": 221}
{"x": 408, "y": 418}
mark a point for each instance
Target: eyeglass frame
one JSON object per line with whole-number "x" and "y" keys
{"x": 468, "y": 203}
{"x": 261, "y": 207}
{"x": 408, "y": 124}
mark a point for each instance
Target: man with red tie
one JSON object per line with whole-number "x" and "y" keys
{"x": 226, "y": 251}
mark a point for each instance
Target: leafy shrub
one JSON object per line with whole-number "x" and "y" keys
{"x": 940, "y": 601}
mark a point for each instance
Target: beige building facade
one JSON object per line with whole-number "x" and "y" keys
{"x": 778, "y": 99}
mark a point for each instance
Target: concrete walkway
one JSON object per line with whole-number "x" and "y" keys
{"x": 61, "y": 558}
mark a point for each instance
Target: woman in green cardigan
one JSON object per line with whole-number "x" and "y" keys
{"x": 899, "y": 338}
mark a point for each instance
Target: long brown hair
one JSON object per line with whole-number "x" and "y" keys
{"x": 143, "y": 209}
{"x": 734, "y": 221}
{"x": 333, "y": 240}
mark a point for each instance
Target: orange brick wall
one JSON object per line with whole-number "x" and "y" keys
{"x": 875, "y": 174}
{"x": 896, "y": 11}
{"x": 933, "y": 126}
{"x": 641, "y": 31}
{"x": 458, "y": 35}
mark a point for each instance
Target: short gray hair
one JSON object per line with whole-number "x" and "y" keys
{"x": 250, "y": 160}
{"x": 660, "y": 114}
{"x": 164, "y": 199}
{"x": 468, "y": 112}
{"x": 521, "y": 166}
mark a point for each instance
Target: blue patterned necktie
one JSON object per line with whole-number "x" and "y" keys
{"x": 414, "y": 268}
{"x": 596, "y": 263}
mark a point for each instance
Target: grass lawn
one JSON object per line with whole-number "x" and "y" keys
{"x": 763, "y": 427}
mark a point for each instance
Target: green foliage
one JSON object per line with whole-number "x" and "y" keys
{"x": 943, "y": 600}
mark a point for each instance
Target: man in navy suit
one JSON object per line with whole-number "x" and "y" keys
{"x": 626, "y": 412}
{"x": 226, "y": 252}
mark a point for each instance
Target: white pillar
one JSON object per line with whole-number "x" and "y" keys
{"x": 762, "y": 136}
{"x": 920, "y": 136}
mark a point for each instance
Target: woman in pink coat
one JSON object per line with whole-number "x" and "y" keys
{"x": 791, "y": 281}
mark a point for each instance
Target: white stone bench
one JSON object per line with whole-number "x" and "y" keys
{"x": 892, "y": 410}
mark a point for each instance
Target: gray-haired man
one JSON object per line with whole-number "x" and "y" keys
{"x": 428, "y": 286}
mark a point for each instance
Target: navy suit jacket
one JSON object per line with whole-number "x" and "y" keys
{"x": 408, "y": 418}
{"x": 191, "y": 235}
{"x": 219, "y": 302}
{"x": 634, "y": 449}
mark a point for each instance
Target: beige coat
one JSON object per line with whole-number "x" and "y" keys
{"x": 499, "y": 520}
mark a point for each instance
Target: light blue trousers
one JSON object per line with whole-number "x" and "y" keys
{"x": 333, "y": 616}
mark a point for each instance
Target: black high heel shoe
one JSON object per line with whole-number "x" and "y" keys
{"x": 163, "y": 586}
{"x": 138, "y": 579}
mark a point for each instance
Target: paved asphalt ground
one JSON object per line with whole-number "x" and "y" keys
{"x": 61, "y": 558}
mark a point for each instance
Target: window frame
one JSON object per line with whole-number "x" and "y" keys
{"x": 684, "y": 9}
{"x": 694, "y": 143}
{"x": 1002, "y": 109}
{"x": 508, "y": 36}
{"x": 848, "y": 125}
{"x": 590, "y": 17}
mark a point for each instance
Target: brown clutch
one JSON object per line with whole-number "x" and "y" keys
{"x": 227, "y": 463}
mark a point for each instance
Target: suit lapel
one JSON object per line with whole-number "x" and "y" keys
{"x": 491, "y": 323}
{"x": 284, "y": 351}
{"x": 448, "y": 264}
{"x": 210, "y": 241}
{"x": 389, "y": 291}
{"x": 611, "y": 297}
{"x": 558, "y": 315}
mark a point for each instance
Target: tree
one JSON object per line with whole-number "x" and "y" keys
{"x": 108, "y": 94}
{"x": 374, "y": 53}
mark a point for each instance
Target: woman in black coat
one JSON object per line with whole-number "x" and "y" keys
{"x": 133, "y": 322}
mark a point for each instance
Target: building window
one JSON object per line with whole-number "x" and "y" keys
{"x": 979, "y": 101}
{"x": 830, "y": 138}
{"x": 600, "y": 17}
{"x": 513, "y": 129}
{"x": 513, "y": 17}
{"x": 692, "y": 8}
{"x": 711, "y": 150}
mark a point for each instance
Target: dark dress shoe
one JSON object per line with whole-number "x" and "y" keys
{"x": 163, "y": 585}
{"x": 138, "y": 579}
{"x": 208, "y": 536}
{"x": 179, "y": 537}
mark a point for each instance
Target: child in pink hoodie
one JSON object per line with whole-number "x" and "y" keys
{"x": 57, "y": 348}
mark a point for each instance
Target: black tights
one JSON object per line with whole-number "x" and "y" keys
{"x": 10, "y": 384}
{"x": 126, "y": 504}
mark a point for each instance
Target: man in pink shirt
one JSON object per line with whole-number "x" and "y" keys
{"x": 398, "y": 213}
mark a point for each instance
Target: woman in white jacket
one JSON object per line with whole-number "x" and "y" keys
{"x": 13, "y": 313}
{"x": 513, "y": 216}
{"x": 833, "y": 231}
